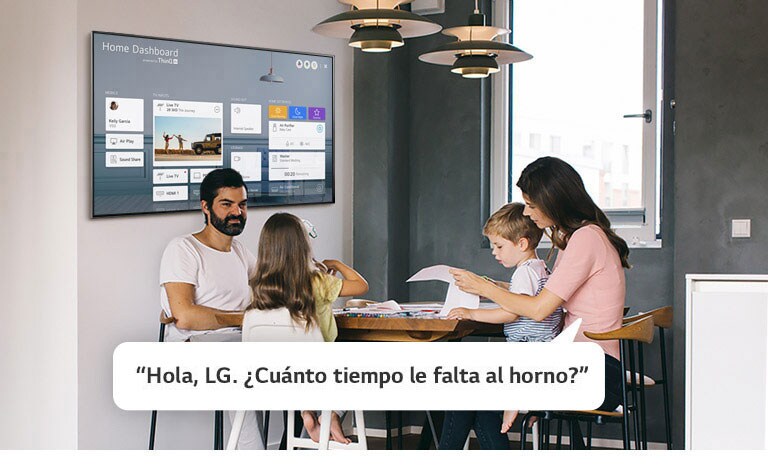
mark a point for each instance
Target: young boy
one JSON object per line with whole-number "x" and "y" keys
{"x": 514, "y": 238}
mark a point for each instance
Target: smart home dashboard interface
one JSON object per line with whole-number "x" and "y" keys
{"x": 166, "y": 113}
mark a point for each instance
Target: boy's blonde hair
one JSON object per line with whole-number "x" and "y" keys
{"x": 510, "y": 223}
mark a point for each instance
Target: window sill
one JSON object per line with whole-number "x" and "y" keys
{"x": 545, "y": 244}
{"x": 645, "y": 244}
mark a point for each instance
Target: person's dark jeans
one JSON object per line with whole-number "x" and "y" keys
{"x": 487, "y": 426}
{"x": 613, "y": 396}
{"x": 613, "y": 379}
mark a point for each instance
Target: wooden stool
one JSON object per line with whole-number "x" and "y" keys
{"x": 218, "y": 416}
{"x": 639, "y": 331}
{"x": 325, "y": 442}
{"x": 662, "y": 319}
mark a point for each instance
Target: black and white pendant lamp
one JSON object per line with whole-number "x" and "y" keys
{"x": 376, "y": 25}
{"x": 475, "y": 54}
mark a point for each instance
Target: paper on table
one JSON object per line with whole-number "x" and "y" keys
{"x": 455, "y": 296}
{"x": 433, "y": 273}
{"x": 388, "y": 305}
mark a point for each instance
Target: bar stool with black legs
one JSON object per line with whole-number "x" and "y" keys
{"x": 218, "y": 416}
{"x": 631, "y": 338}
{"x": 662, "y": 319}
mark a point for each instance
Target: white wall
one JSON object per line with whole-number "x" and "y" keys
{"x": 38, "y": 223}
{"x": 118, "y": 258}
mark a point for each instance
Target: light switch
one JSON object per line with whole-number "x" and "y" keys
{"x": 741, "y": 228}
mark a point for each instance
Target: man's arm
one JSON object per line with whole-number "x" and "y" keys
{"x": 189, "y": 316}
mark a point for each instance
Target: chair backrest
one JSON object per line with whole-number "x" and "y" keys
{"x": 640, "y": 330}
{"x": 165, "y": 318}
{"x": 568, "y": 334}
{"x": 276, "y": 325}
{"x": 662, "y": 317}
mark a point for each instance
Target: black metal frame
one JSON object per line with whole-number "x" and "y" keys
{"x": 633, "y": 397}
{"x": 218, "y": 417}
{"x": 664, "y": 382}
{"x": 665, "y": 387}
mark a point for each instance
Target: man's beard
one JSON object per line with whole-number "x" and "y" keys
{"x": 223, "y": 225}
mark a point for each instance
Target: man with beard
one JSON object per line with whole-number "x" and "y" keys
{"x": 207, "y": 272}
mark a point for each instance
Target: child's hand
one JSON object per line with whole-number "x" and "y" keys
{"x": 468, "y": 281}
{"x": 332, "y": 265}
{"x": 460, "y": 313}
{"x": 508, "y": 420}
{"x": 320, "y": 266}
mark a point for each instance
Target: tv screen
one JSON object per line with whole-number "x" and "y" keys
{"x": 167, "y": 112}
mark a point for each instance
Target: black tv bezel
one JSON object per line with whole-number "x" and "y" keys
{"x": 188, "y": 41}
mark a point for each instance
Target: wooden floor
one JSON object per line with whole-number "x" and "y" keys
{"x": 411, "y": 442}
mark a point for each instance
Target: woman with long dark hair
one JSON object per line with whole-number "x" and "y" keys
{"x": 588, "y": 275}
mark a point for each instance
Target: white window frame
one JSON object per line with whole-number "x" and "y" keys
{"x": 639, "y": 227}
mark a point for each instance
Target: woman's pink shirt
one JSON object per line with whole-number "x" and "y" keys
{"x": 589, "y": 277}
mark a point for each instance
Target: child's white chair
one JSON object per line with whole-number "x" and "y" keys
{"x": 325, "y": 442}
{"x": 278, "y": 326}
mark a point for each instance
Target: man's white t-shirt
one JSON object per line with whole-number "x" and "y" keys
{"x": 220, "y": 278}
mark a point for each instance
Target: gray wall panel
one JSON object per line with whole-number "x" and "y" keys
{"x": 721, "y": 148}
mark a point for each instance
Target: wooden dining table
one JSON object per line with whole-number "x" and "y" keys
{"x": 409, "y": 329}
{"x": 419, "y": 329}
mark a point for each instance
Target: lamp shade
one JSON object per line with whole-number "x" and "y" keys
{"x": 448, "y": 53}
{"x": 475, "y": 66}
{"x": 271, "y": 77}
{"x": 375, "y": 25}
{"x": 376, "y": 38}
{"x": 475, "y": 54}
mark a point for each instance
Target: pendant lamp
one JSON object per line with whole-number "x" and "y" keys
{"x": 271, "y": 77}
{"x": 376, "y": 25}
{"x": 475, "y": 54}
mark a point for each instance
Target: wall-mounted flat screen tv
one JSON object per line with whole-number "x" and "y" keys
{"x": 167, "y": 112}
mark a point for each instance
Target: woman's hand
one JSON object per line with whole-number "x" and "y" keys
{"x": 460, "y": 313}
{"x": 468, "y": 281}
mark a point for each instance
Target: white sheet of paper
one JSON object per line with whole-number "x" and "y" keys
{"x": 388, "y": 305}
{"x": 433, "y": 273}
{"x": 458, "y": 298}
{"x": 455, "y": 297}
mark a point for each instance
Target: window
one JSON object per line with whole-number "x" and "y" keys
{"x": 554, "y": 144}
{"x": 534, "y": 141}
{"x": 594, "y": 61}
